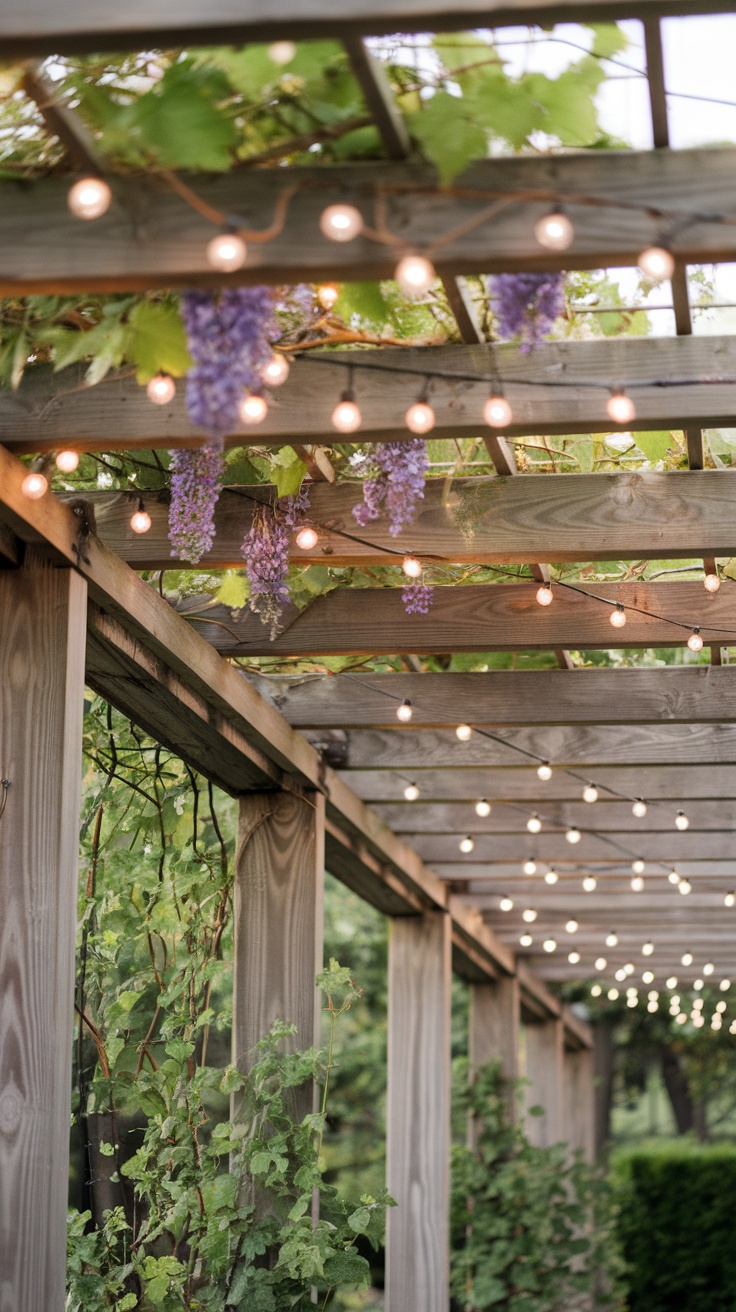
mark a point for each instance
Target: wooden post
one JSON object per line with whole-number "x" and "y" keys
{"x": 544, "y": 1062}
{"x": 43, "y": 620}
{"x": 494, "y": 1028}
{"x": 279, "y": 884}
{"x": 418, "y": 1113}
{"x": 578, "y": 1102}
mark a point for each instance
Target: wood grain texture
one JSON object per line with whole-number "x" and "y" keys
{"x": 493, "y": 1026}
{"x": 563, "y": 517}
{"x": 42, "y": 626}
{"x": 578, "y": 1103}
{"x": 551, "y": 846}
{"x": 675, "y": 382}
{"x": 674, "y": 783}
{"x": 418, "y": 1114}
{"x": 151, "y": 238}
{"x": 543, "y": 1050}
{"x": 610, "y": 817}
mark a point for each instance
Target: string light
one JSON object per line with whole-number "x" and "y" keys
{"x": 653, "y": 1006}
{"x": 711, "y": 583}
{"x": 620, "y": 408}
{"x": 695, "y": 642}
{"x": 671, "y": 982}
{"x": 415, "y": 275}
{"x": 595, "y": 990}
{"x": 673, "y": 877}
{"x": 463, "y": 732}
{"x": 411, "y": 792}
{"x": 657, "y": 263}
{"x": 681, "y": 821}
{"x": 647, "y": 977}
{"x": 530, "y": 867}
{"x": 467, "y": 844}
{"x": 680, "y": 1018}
{"x": 629, "y": 968}
{"x": 412, "y": 567}
{"x": 708, "y": 968}
{"x": 89, "y": 198}
{"x": 554, "y": 231}
{"x": 697, "y": 985}
{"x": 618, "y": 616}
{"x": 638, "y": 866}
{"x": 639, "y": 809}
{"x": 307, "y": 538}
{"x": 544, "y": 772}
{"x": 544, "y": 594}
{"x": 571, "y": 927}
{"x": 549, "y": 945}
{"x": 590, "y": 793}
{"x": 34, "y": 485}
{"x": 590, "y": 883}
{"x": 341, "y": 222}
{"x": 729, "y": 899}
{"x": 404, "y": 712}
{"x": 686, "y": 959}
{"x": 482, "y": 808}
{"x": 282, "y": 52}
{"x": 346, "y": 416}
{"x": 612, "y": 939}
{"x": 724, "y": 985}
{"x": 600, "y": 963}
{"x": 534, "y": 824}
{"x": 253, "y": 408}
{"x": 573, "y": 958}
{"x": 637, "y": 884}
{"x": 161, "y": 389}
{"x": 573, "y": 835}
{"x": 551, "y": 877}
{"x": 632, "y": 1000}
{"x": 506, "y": 904}
{"x": 226, "y": 252}
{"x": 140, "y": 520}
{"x": 420, "y": 418}
{"x": 526, "y": 940}
{"x": 613, "y": 995}
{"x": 497, "y": 411}
{"x": 529, "y": 916}
{"x": 647, "y": 949}
{"x": 327, "y": 295}
{"x": 67, "y": 461}
{"x": 685, "y": 887}
{"x": 620, "y": 975}
{"x": 276, "y": 371}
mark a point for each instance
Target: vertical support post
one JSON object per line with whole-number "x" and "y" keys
{"x": 418, "y": 1113}
{"x": 43, "y": 622}
{"x": 494, "y": 1028}
{"x": 579, "y": 1110}
{"x": 279, "y": 881}
{"x": 603, "y": 1071}
{"x": 545, "y": 1047}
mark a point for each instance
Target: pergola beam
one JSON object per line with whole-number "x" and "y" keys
{"x": 675, "y": 783}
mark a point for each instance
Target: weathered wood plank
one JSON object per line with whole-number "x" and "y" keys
{"x": 42, "y": 625}
{"x": 551, "y": 846}
{"x": 418, "y": 1114}
{"x": 672, "y": 782}
{"x": 543, "y": 1049}
{"x": 605, "y": 816}
{"x": 151, "y": 238}
{"x": 674, "y": 383}
{"x": 565, "y": 517}
{"x": 493, "y": 1027}
{"x": 578, "y": 1102}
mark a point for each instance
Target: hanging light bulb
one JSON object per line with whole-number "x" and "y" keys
{"x": 420, "y": 418}
{"x": 708, "y": 968}
{"x": 573, "y": 835}
{"x": 411, "y": 792}
{"x": 307, "y": 538}
{"x": 89, "y": 198}
{"x": 729, "y": 899}
{"x": 554, "y": 231}
{"x": 341, "y": 222}
{"x": 483, "y": 808}
{"x": 412, "y": 567}
{"x": 404, "y": 711}
{"x": 647, "y": 949}
{"x": 657, "y": 263}
{"x": 618, "y": 616}
{"x": 253, "y": 408}
{"x": 467, "y": 844}
{"x": 613, "y": 995}
{"x": 526, "y": 940}
{"x": 534, "y": 824}
{"x": 506, "y": 904}
{"x": 673, "y": 877}
{"x": 638, "y": 866}
{"x": 620, "y": 408}
{"x": 639, "y": 809}
{"x": 695, "y": 642}
{"x": 590, "y": 883}
{"x": 281, "y": 52}
{"x": 463, "y": 732}
{"x": 600, "y": 963}
{"x": 161, "y": 389}
{"x": 544, "y": 772}
{"x": 711, "y": 583}
{"x": 346, "y": 416}
{"x": 529, "y": 915}
{"x": 571, "y": 927}
{"x": 590, "y": 793}
{"x": 226, "y": 252}
{"x": 276, "y": 371}
{"x": 629, "y": 968}
{"x": 698, "y": 984}
{"x": 551, "y": 877}
{"x": 34, "y": 485}
{"x": 530, "y": 867}
{"x": 544, "y": 594}
{"x": 549, "y": 945}
{"x": 671, "y": 982}
{"x": 724, "y": 985}
{"x": 497, "y": 411}
{"x": 415, "y": 275}
{"x": 687, "y": 959}
{"x": 67, "y": 461}
{"x": 620, "y": 975}
{"x": 681, "y": 821}
{"x": 596, "y": 990}
{"x": 573, "y": 958}
{"x": 612, "y": 939}
{"x": 685, "y": 887}
{"x": 637, "y": 883}
{"x": 327, "y": 295}
{"x": 140, "y": 520}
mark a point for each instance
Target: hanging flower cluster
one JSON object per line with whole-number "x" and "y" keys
{"x": 228, "y": 338}
{"x": 266, "y": 552}
{"x": 417, "y": 598}
{"x": 397, "y": 474}
{"x": 527, "y": 305}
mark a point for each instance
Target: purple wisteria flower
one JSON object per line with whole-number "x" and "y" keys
{"x": 196, "y": 479}
{"x": 417, "y": 598}
{"x": 266, "y": 552}
{"x": 398, "y": 474}
{"x": 527, "y": 304}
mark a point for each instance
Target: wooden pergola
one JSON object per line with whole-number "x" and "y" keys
{"x": 320, "y": 764}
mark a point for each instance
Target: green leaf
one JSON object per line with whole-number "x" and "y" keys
{"x": 233, "y": 591}
{"x": 654, "y": 445}
{"x": 608, "y": 39}
{"x": 158, "y": 341}
{"x": 448, "y": 136}
{"x": 364, "y": 301}
{"x": 107, "y": 1149}
{"x": 360, "y": 1219}
{"x": 288, "y": 471}
{"x": 508, "y": 110}
{"x": 181, "y": 122}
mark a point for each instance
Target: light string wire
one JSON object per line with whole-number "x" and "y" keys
{"x": 5, "y": 786}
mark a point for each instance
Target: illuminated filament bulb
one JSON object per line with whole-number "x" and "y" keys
{"x": 282, "y": 52}
{"x": 404, "y": 711}
{"x": 483, "y": 808}
{"x": 590, "y": 793}
{"x": 685, "y": 887}
{"x": 34, "y": 485}
{"x": 596, "y": 991}
{"x": 529, "y": 915}
{"x": 307, "y": 538}
{"x": 711, "y": 583}
{"x": 253, "y": 408}
{"x": 638, "y": 866}
{"x": 573, "y": 958}
{"x": 226, "y": 252}
{"x": 497, "y": 412}
{"x": 276, "y": 371}
{"x": 637, "y": 883}
{"x": 695, "y": 642}
{"x": 687, "y": 958}
{"x": 729, "y": 899}
{"x": 551, "y": 877}
{"x": 554, "y": 231}
{"x": 647, "y": 949}
{"x": 544, "y": 594}
{"x": 573, "y": 835}
{"x": 534, "y": 824}
{"x": 681, "y": 821}
{"x": 463, "y": 732}
{"x": 140, "y": 520}
{"x": 530, "y": 867}
{"x": 67, "y": 461}
{"x": 161, "y": 389}
{"x": 612, "y": 939}
{"x": 327, "y": 295}
{"x": 590, "y": 883}
{"x": 415, "y": 275}
{"x": 544, "y": 772}
{"x": 618, "y": 616}
{"x": 549, "y": 945}
{"x": 639, "y": 809}
{"x": 526, "y": 940}
{"x": 600, "y": 963}
{"x": 89, "y": 198}
{"x": 467, "y": 844}
{"x": 724, "y": 985}
{"x": 708, "y": 968}
{"x": 671, "y": 982}
{"x": 341, "y": 222}
{"x": 673, "y": 877}
{"x": 620, "y": 408}
{"x": 571, "y": 927}
{"x": 412, "y": 567}
{"x": 657, "y": 263}
{"x": 411, "y": 792}
{"x": 506, "y": 904}
{"x": 420, "y": 418}
{"x": 346, "y": 416}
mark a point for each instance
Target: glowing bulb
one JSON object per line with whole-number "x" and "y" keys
{"x": 600, "y": 963}
{"x": 620, "y": 408}
{"x": 89, "y": 198}
{"x": 412, "y": 567}
{"x": 697, "y": 985}
{"x": 67, "y": 461}
{"x": 544, "y": 772}
{"x": 346, "y": 416}
{"x": 411, "y": 792}
{"x": 549, "y": 945}
{"x": 526, "y": 940}
{"x": 632, "y": 1000}
{"x": 34, "y": 485}
{"x": 253, "y": 408}
{"x": 483, "y": 808}
{"x": 629, "y": 968}
{"x": 307, "y": 538}
{"x": 611, "y": 940}
{"x": 161, "y": 389}
{"x": 590, "y": 883}
{"x": 534, "y": 824}
{"x": 226, "y": 252}
{"x": 729, "y": 899}
{"x": 657, "y": 263}
{"x": 529, "y": 916}
{"x": 711, "y": 583}
{"x": 554, "y": 231}
{"x": 530, "y": 867}
{"x": 551, "y": 877}
{"x": 652, "y": 1006}
{"x": 618, "y": 616}
{"x": 571, "y": 926}
{"x": 638, "y": 866}
{"x": 573, "y": 835}
{"x": 620, "y": 975}
{"x": 415, "y": 275}
{"x": 463, "y": 732}
{"x": 497, "y": 412}
{"x": 281, "y": 52}
{"x": 506, "y": 904}
{"x": 612, "y": 995}
{"x": 671, "y": 982}
{"x": 466, "y": 844}
{"x": 404, "y": 711}
{"x": 637, "y": 884}
{"x": 327, "y": 295}
{"x": 590, "y": 793}
{"x": 341, "y": 222}
{"x": 544, "y": 594}
{"x": 639, "y": 809}
{"x": 673, "y": 877}
{"x": 647, "y": 949}
{"x": 140, "y": 520}
{"x": 687, "y": 959}
{"x": 724, "y": 985}
{"x": 420, "y": 418}
{"x": 680, "y": 1018}
{"x": 681, "y": 821}
{"x": 685, "y": 887}
{"x": 276, "y": 371}
{"x": 596, "y": 990}
{"x": 695, "y": 642}
{"x": 708, "y": 968}
{"x": 647, "y": 977}
{"x": 573, "y": 958}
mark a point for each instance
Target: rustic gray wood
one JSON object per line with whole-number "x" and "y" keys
{"x": 543, "y": 1055}
{"x": 606, "y": 816}
{"x": 493, "y": 1029}
{"x": 675, "y": 783}
{"x": 418, "y": 1114}
{"x": 578, "y": 1110}
{"x": 551, "y": 846}
{"x": 42, "y": 627}
{"x": 150, "y": 237}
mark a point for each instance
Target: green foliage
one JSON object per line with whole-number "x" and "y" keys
{"x": 531, "y": 1232}
{"x": 676, "y": 1228}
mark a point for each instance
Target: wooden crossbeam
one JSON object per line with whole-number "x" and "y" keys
{"x": 487, "y": 617}
{"x": 672, "y": 783}
{"x": 507, "y": 876}
{"x": 611, "y": 816}
{"x": 151, "y": 237}
{"x": 551, "y": 846}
